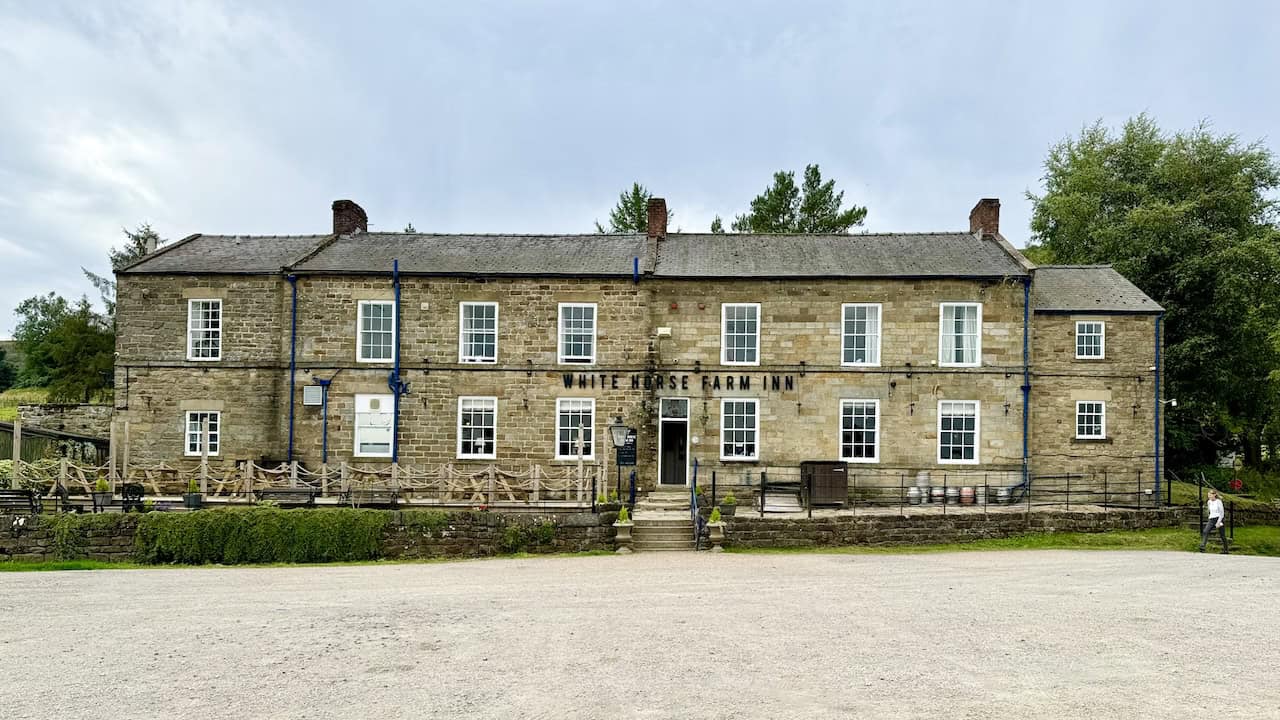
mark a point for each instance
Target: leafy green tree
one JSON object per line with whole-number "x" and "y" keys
{"x": 8, "y": 376}
{"x": 81, "y": 350}
{"x": 37, "y": 318}
{"x": 815, "y": 207}
{"x": 717, "y": 225}
{"x": 410, "y": 228}
{"x": 136, "y": 244}
{"x": 1190, "y": 218}
{"x": 631, "y": 214}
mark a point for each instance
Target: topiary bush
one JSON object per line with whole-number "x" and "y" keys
{"x": 260, "y": 535}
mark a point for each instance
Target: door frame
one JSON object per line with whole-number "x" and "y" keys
{"x": 688, "y": 446}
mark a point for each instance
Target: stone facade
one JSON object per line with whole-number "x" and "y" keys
{"x": 656, "y": 337}
{"x": 89, "y": 420}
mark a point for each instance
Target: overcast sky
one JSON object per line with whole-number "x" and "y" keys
{"x": 532, "y": 116}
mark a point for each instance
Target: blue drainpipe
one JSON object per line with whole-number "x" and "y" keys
{"x": 293, "y": 362}
{"x": 324, "y": 418}
{"x": 1026, "y": 378}
{"x": 1159, "y": 318}
{"x": 397, "y": 385}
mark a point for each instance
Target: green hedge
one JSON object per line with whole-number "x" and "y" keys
{"x": 260, "y": 535}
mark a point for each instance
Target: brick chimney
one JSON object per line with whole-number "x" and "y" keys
{"x": 985, "y": 217}
{"x": 657, "y": 219}
{"x": 349, "y": 218}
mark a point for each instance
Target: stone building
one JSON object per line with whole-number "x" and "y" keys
{"x": 948, "y": 352}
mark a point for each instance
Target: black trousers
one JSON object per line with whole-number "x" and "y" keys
{"x": 1208, "y": 528}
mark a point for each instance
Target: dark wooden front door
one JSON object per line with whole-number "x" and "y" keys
{"x": 675, "y": 449}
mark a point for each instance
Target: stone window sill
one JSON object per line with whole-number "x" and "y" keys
{"x": 1091, "y": 441}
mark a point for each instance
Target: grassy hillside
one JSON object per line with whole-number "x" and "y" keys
{"x": 12, "y": 398}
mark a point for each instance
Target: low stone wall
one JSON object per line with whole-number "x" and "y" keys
{"x": 93, "y": 420}
{"x": 927, "y": 529}
{"x": 407, "y": 534}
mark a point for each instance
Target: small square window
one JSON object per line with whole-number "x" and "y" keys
{"x": 477, "y": 427}
{"x": 739, "y": 429}
{"x": 958, "y": 432}
{"x": 1091, "y": 420}
{"x": 1091, "y": 340}
{"x": 195, "y": 429}
{"x": 860, "y": 430}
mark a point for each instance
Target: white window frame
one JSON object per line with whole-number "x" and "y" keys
{"x": 754, "y": 457}
{"x": 215, "y": 433}
{"x": 463, "y": 357}
{"x": 191, "y": 330}
{"x": 977, "y": 433}
{"x": 943, "y": 332}
{"x": 595, "y": 327}
{"x": 845, "y": 335}
{"x": 1102, "y": 425}
{"x": 591, "y": 431}
{"x": 493, "y": 401}
{"x": 1102, "y": 339}
{"x": 360, "y": 331}
{"x": 355, "y": 425}
{"x": 840, "y": 438}
{"x": 724, "y": 345}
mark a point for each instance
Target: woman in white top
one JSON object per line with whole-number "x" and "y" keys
{"x": 1216, "y": 516}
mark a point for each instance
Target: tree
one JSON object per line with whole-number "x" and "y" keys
{"x": 37, "y": 318}
{"x": 136, "y": 244}
{"x": 815, "y": 207}
{"x": 631, "y": 214}
{"x": 717, "y": 225}
{"x": 410, "y": 229}
{"x": 82, "y": 355}
{"x": 1190, "y": 218}
{"x": 8, "y": 376}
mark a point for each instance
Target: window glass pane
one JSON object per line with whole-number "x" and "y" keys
{"x": 479, "y": 332}
{"x": 1090, "y": 420}
{"x": 960, "y": 334}
{"x": 477, "y": 419}
{"x": 577, "y": 333}
{"x": 740, "y": 333}
{"x": 377, "y": 330}
{"x": 738, "y": 429}
{"x": 204, "y": 329}
{"x": 1089, "y": 339}
{"x": 575, "y": 419}
{"x": 194, "y": 421}
{"x": 374, "y": 426}
{"x": 957, "y": 431}
{"x": 862, "y": 334}
{"x": 858, "y": 429}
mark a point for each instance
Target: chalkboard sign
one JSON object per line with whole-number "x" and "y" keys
{"x": 627, "y": 453}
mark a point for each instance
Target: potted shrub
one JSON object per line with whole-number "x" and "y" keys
{"x": 729, "y": 505}
{"x": 623, "y": 527}
{"x": 715, "y": 528}
{"x": 101, "y": 494}
{"x": 193, "y": 500}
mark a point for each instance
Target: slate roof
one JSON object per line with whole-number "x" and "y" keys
{"x": 589, "y": 255}
{"x": 227, "y": 254}
{"x": 1087, "y": 288}
{"x": 679, "y": 255}
{"x": 952, "y": 254}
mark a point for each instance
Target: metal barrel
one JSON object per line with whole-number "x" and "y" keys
{"x": 938, "y": 494}
{"x": 966, "y": 496}
{"x": 913, "y": 495}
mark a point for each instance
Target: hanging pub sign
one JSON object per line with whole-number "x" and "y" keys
{"x": 763, "y": 382}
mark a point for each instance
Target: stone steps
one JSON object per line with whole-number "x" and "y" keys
{"x": 662, "y": 531}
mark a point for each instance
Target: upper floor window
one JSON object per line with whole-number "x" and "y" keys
{"x": 1091, "y": 340}
{"x": 196, "y": 428}
{"x": 739, "y": 429}
{"x": 861, "y": 333}
{"x": 377, "y": 336}
{"x": 204, "y": 329}
{"x": 575, "y": 428}
{"x": 740, "y": 334}
{"x": 960, "y": 342}
{"x": 477, "y": 427}
{"x": 375, "y": 425}
{"x": 478, "y": 332}
{"x": 1091, "y": 420}
{"x": 860, "y": 430}
{"x": 958, "y": 431}
{"x": 578, "y": 333}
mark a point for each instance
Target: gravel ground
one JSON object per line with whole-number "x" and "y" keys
{"x": 1055, "y": 634}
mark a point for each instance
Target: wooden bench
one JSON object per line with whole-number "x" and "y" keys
{"x": 371, "y": 498}
{"x": 20, "y": 501}
{"x": 288, "y": 497}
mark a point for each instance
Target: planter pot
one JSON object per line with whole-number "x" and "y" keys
{"x": 716, "y": 536}
{"x": 101, "y": 500}
{"x": 728, "y": 510}
{"x": 193, "y": 501}
{"x": 608, "y": 507}
{"x": 623, "y": 537}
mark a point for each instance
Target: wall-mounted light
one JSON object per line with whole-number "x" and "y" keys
{"x": 1171, "y": 402}
{"x": 802, "y": 368}
{"x": 529, "y": 367}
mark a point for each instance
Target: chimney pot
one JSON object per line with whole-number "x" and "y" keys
{"x": 657, "y": 218}
{"x": 349, "y": 218}
{"x": 985, "y": 217}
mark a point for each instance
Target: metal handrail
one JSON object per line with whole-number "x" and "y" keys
{"x": 693, "y": 507}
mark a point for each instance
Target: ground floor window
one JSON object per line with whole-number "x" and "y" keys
{"x": 1091, "y": 420}
{"x": 739, "y": 427}
{"x": 958, "y": 431}
{"x": 375, "y": 423}
{"x": 860, "y": 430}
{"x": 575, "y": 419}
{"x": 477, "y": 427}
{"x": 195, "y": 431}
